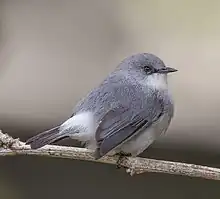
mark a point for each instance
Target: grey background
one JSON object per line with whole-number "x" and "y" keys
{"x": 54, "y": 52}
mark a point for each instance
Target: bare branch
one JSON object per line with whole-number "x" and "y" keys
{"x": 10, "y": 146}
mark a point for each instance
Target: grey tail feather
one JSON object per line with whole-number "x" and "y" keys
{"x": 46, "y": 137}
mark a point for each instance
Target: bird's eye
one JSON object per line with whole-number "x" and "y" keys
{"x": 147, "y": 69}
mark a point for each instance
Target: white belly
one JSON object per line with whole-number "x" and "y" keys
{"x": 138, "y": 144}
{"x": 144, "y": 139}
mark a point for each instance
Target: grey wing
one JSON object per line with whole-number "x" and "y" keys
{"x": 121, "y": 124}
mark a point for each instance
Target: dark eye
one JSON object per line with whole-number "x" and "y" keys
{"x": 148, "y": 69}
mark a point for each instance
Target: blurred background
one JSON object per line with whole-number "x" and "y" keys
{"x": 53, "y": 52}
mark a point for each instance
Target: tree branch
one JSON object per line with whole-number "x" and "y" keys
{"x": 10, "y": 147}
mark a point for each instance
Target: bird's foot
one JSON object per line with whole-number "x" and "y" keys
{"x": 122, "y": 157}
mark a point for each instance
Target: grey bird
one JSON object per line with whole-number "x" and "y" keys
{"x": 125, "y": 114}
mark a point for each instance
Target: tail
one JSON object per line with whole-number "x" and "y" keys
{"x": 46, "y": 137}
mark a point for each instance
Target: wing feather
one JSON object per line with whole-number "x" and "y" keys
{"x": 109, "y": 134}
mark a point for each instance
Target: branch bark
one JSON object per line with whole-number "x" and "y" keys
{"x": 137, "y": 165}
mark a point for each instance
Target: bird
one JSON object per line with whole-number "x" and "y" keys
{"x": 130, "y": 109}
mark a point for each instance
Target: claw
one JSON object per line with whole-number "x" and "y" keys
{"x": 122, "y": 156}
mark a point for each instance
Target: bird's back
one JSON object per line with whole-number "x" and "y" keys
{"x": 117, "y": 88}
{"x": 123, "y": 88}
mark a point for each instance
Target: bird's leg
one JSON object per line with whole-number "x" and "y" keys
{"x": 122, "y": 156}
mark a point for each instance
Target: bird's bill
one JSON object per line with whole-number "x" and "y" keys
{"x": 167, "y": 70}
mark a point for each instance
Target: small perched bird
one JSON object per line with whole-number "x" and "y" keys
{"x": 130, "y": 109}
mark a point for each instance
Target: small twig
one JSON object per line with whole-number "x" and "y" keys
{"x": 10, "y": 146}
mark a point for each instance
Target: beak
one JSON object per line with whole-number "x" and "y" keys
{"x": 167, "y": 70}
